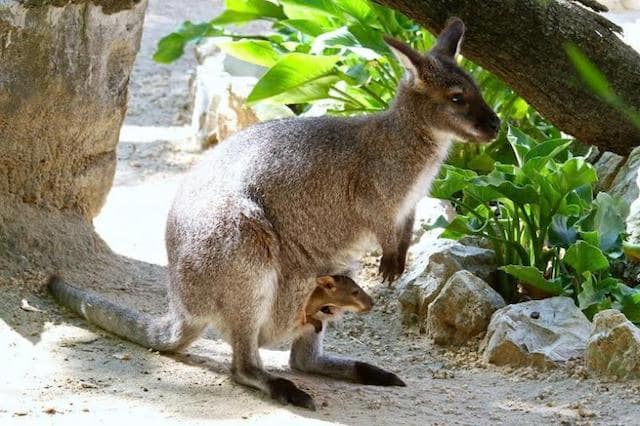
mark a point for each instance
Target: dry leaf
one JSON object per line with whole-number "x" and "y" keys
{"x": 25, "y": 306}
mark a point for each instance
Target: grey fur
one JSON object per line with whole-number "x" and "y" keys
{"x": 282, "y": 202}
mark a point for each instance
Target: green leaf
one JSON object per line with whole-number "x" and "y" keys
{"x": 320, "y": 11}
{"x": 560, "y": 234}
{"x": 299, "y": 75}
{"x": 305, "y": 26}
{"x": 591, "y": 237}
{"x": 589, "y": 73}
{"x": 358, "y": 9}
{"x": 631, "y": 251}
{"x": 259, "y": 52}
{"x": 572, "y": 174}
{"x": 171, "y": 47}
{"x": 609, "y": 221}
{"x": 585, "y": 257}
{"x": 454, "y": 180}
{"x": 241, "y": 11}
{"x": 520, "y": 142}
{"x": 548, "y": 149}
{"x": 531, "y": 276}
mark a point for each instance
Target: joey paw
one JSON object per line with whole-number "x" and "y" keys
{"x": 286, "y": 392}
{"x": 368, "y": 374}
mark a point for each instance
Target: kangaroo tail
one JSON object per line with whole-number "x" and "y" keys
{"x": 168, "y": 333}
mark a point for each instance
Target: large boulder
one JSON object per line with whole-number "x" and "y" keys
{"x": 434, "y": 261}
{"x": 607, "y": 168}
{"x": 462, "y": 309}
{"x": 613, "y": 349}
{"x": 64, "y": 70}
{"x": 221, "y": 86}
{"x": 541, "y": 333}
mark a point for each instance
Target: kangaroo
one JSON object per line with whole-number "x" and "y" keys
{"x": 332, "y": 296}
{"x": 254, "y": 223}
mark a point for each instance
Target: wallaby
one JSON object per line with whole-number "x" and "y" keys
{"x": 255, "y": 221}
{"x": 334, "y": 295}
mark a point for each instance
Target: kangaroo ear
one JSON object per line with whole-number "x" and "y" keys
{"x": 450, "y": 38}
{"x": 327, "y": 282}
{"x": 408, "y": 57}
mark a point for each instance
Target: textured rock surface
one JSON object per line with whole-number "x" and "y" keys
{"x": 462, "y": 309}
{"x": 614, "y": 346}
{"x": 220, "y": 88}
{"x": 64, "y": 70}
{"x": 625, "y": 183}
{"x": 433, "y": 263}
{"x": 607, "y": 167}
{"x": 541, "y": 333}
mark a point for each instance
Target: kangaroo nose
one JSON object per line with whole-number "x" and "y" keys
{"x": 494, "y": 124}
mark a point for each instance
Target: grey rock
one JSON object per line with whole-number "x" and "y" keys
{"x": 613, "y": 349}
{"x": 462, "y": 309}
{"x": 219, "y": 102}
{"x": 607, "y": 168}
{"x": 540, "y": 333}
{"x": 433, "y": 262}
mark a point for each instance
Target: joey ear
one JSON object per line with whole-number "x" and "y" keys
{"x": 408, "y": 57}
{"x": 450, "y": 38}
{"x": 327, "y": 282}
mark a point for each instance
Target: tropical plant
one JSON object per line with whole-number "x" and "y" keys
{"x": 548, "y": 231}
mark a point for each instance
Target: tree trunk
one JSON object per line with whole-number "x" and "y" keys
{"x": 522, "y": 42}
{"x": 64, "y": 72}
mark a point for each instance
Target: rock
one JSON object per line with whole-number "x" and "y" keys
{"x": 540, "y": 333}
{"x": 433, "y": 262}
{"x": 462, "y": 309}
{"x": 607, "y": 168}
{"x": 613, "y": 350}
{"x": 65, "y": 68}
{"x": 625, "y": 183}
{"x": 220, "y": 88}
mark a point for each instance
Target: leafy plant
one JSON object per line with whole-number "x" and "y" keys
{"x": 548, "y": 232}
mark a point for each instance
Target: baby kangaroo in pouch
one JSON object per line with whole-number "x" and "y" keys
{"x": 254, "y": 223}
{"x": 333, "y": 296}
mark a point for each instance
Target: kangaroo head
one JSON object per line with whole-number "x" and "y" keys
{"x": 439, "y": 93}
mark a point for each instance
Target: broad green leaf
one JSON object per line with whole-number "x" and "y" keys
{"x": 171, "y": 47}
{"x": 305, "y": 26}
{"x": 591, "y": 237}
{"x": 572, "y": 174}
{"x": 358, "y": 9}
{"x": 308, "y": 92}
{"x": 631, "y": 306}
{"x": 291, "y": 73}
{"x": 584, "y": 257}
{"x": 631, "y": 251}
{"x": 520, "y": 142}
{"x": 454, "y": 180}
{"x": 259, "y": 52}
{"x": 323, "y": 12}
{"x": 589, "y": 73}
{"x": 548, "y": 149}
{"x": 608, "y": 221}
{"x": 240, "y": 11}
{"x": 531, "y": 276}
{"x": 561, "y": 234}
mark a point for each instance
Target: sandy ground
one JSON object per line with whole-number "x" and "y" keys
{"x": 57, "y": 369}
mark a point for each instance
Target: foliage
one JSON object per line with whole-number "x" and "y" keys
{"x": 548, "y": 231}
{"x": 333, "y": 51}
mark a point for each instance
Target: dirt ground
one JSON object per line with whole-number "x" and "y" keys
{"x": 58, "y": 369}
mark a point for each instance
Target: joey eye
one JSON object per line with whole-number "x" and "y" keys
{"x": 457, "y": 99}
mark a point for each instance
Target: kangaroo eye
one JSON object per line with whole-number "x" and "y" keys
{"x": 457, "y": 99}
{"x": 354, "y": 293}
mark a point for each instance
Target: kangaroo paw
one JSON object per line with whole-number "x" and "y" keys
{"x": 368, "y": 374}
{"x": 286, "y": 392}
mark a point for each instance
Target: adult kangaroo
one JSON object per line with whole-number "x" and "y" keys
{"x": 278, "y": 204}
